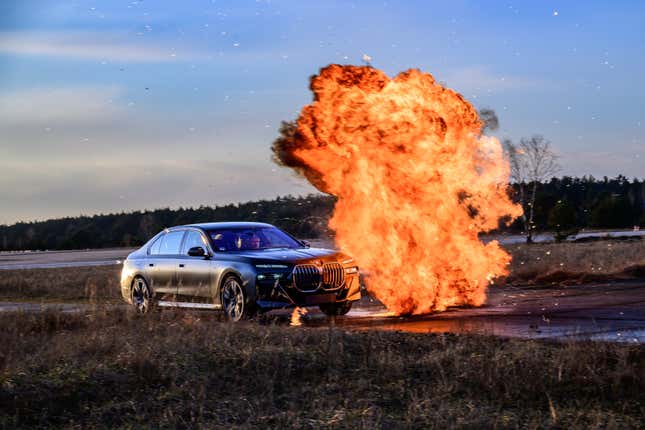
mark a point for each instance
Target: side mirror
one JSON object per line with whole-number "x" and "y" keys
{"x": 305, "y": 243}
{"x": 197, "y": 251}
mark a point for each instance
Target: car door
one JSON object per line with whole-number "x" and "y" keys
{"x": 166, "y": 263}
{"x": 194, "y": 273}
{"x": 152, "y": 263}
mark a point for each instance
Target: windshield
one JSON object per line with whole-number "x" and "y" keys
{"x": 249, "y": 239}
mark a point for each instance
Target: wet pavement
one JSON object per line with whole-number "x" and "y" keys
{"x": 604, "y": 311}
{"x": 57, "y": 259}
{"x": 41, "y": 307}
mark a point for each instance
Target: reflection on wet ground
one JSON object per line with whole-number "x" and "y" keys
{"x": 607, "y": 311}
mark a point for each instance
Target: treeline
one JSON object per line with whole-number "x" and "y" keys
{"x": 568, "y": 204}
{"x": 304, "y": 217}
{"x": 562, "y": 204}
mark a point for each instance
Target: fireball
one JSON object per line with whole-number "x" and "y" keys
{"x": 416, "y": 183}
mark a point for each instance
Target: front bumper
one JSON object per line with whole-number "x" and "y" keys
{"x": 127, "y": 275}
{"x": 281, "y": 293}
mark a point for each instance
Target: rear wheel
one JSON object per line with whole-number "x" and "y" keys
{"x": 335, "y": 309}
{"x": 141, "y": 295}
{"x": 234, "y": 300}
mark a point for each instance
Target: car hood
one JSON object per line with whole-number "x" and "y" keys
{"x": 293, "y": 256}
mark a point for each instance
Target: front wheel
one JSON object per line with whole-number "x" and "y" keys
{"x": 335, "y": 309}
{"x": 234, "y": 301}
{"x": 141, "y": 295}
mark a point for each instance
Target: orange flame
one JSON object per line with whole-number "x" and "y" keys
{"x": 416, "y": 182}
{"x": 296, "y": 316}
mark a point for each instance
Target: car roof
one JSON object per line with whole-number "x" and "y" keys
{"x": 230, "y": 224}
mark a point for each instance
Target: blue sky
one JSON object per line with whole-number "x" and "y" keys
{"x": 119, "y": 105}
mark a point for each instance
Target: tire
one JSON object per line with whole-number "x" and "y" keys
{"x": 235, "y": 303}
{"x": 336, "y": 309}
{"x": 141, "y": 294}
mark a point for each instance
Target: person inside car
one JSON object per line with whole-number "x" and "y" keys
{"x": 254, "y": 241}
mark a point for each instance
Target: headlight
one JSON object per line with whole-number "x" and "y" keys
{"x": 271, "y": 271}
{"x": 262, "y": 276}
{"x": 351, "y": 270}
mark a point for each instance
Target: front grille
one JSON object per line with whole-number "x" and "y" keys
{"x": 333, "y": 275}
{"x": 306, "y": 277}
{"x": 309, "y": 277}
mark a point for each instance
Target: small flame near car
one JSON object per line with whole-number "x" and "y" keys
{"x": 296, "y": 316}
{"x": 416, "y": 182}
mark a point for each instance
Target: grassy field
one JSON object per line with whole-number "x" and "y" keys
{"x": 111, "y": 368}
{"x": 577, "y": 262}
{"x": 71, "y": 284}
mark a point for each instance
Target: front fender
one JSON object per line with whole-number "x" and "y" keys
{"x": 353, "y": 287}
{"x": 245, "y": 272}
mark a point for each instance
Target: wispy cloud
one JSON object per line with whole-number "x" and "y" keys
{"x": 101, "y": 46}
{"x": 59, "y": 105}
{"x": 481, "y": 79}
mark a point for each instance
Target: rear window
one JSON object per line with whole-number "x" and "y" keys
{"x": 154, "y": 249}
{"x": 169, "y": 244}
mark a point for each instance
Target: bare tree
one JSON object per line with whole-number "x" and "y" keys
{"x": 518, "y": 174}
{"x": 532, "y": 161}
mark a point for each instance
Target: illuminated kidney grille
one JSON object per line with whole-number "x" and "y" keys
{"x": 306, "y": 277}
{"x": 333, "y": 275}
{"x": 309, "y": 277}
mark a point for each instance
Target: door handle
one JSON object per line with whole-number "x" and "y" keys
{"x": 181, "y": 265}
{"x": 151, "y": 265}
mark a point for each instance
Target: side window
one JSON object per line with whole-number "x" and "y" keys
{"x": 171, "y": 243}
{"x": 156, "y": 246}
{"x": 193, "y": 238}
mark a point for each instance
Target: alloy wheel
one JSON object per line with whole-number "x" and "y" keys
{"x": 141, "y": 295}
{"x": 233, "y": 299}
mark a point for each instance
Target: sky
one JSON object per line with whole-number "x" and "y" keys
{"x": 110, "y": 106}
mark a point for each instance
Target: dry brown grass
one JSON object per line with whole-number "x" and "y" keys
{"x": 577, "y": 262}
{"x": 114, "y": 369}
{"x": 99, "y": 283}
{"x": 111, "y": 368}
